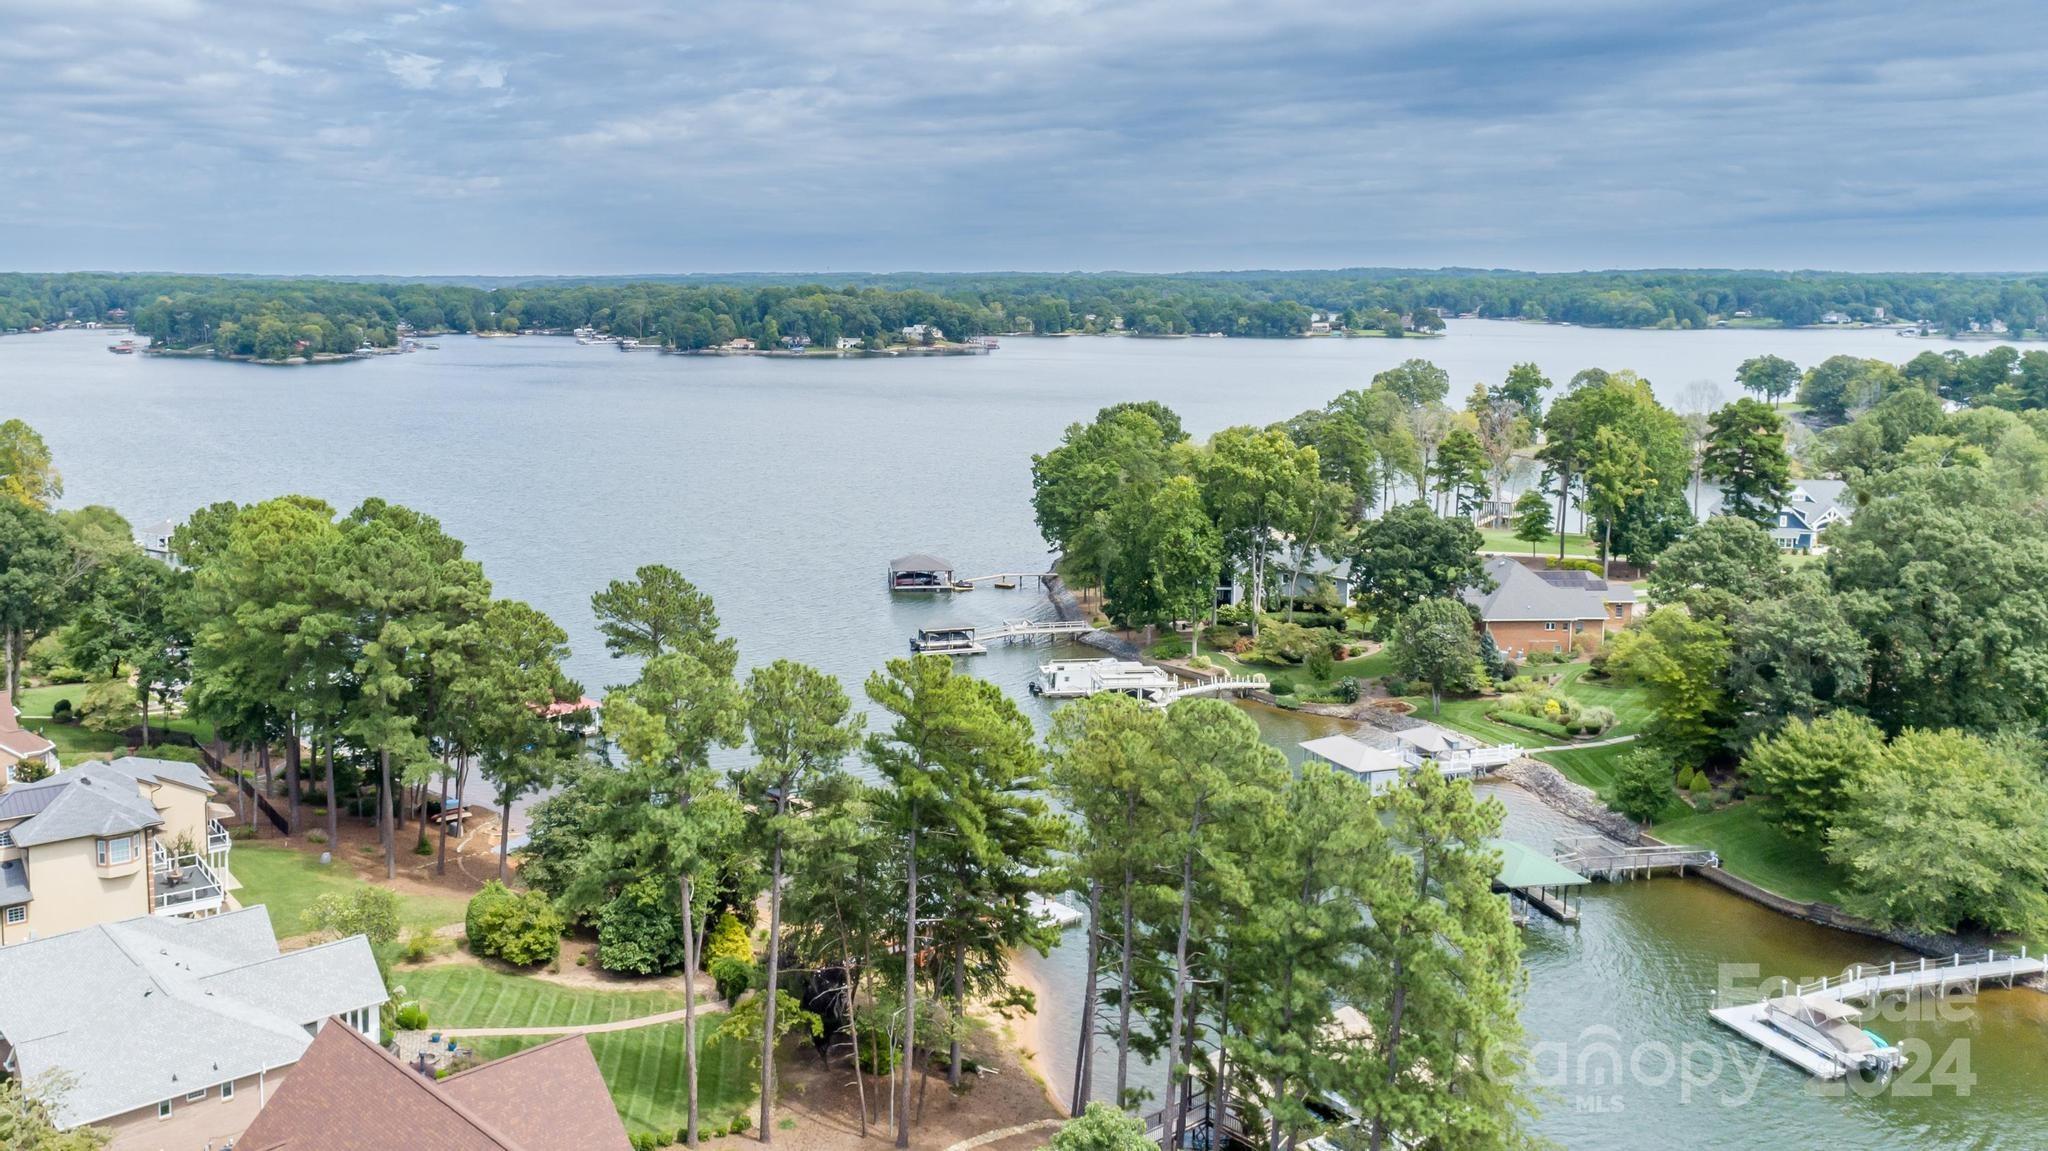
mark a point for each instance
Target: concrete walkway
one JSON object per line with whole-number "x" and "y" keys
{"x": 1584, "y": 746}
{"x": 1000, "y": 1134}
{"x": 706, "y": 1007}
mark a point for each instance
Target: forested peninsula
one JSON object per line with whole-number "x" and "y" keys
{"x": 266, "y": 318}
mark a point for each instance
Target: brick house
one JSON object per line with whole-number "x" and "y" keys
{"x": 1530, "y": 610}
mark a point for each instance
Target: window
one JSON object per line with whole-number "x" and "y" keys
{"x": 17, "y": 915}
{"x": 163, "y": 1109}
{"x": 6, "y": 839}
{"x": 227, "y": 1091}
{"x": 1550, "y": 625}
{"x": 113, "y": 851}
{"x": 196, "y": 1096}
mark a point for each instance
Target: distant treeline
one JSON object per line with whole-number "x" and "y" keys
{"x": 271, "y": 317}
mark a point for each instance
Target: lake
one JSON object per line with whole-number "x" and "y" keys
{"x": 783, "y": 488}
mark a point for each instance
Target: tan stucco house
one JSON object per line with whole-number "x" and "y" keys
{"x": 103, "y": 842}
{"x": 171, "y": 1033}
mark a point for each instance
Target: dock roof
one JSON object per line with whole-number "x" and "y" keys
{"x": 1522, "y": 866}
{"x": 920, "y": 562}
{"x": 1352, "y": 755}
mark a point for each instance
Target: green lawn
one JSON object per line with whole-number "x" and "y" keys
{"x": 1503, "y": 540}
{"x": 75, "y": 742}
{"x": 288, "y": 881}
{"x": 1758, "y": 852}
{"x": 1630, "y": 703}
{"x": 462, "y": 995}
{"x": 1593, "y": 767}
{"x": 644, "y": 1069}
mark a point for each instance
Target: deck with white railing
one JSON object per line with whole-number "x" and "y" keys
{"x": 183, "y": 884}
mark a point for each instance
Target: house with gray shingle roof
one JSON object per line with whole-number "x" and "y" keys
{"x": 172, "y": 1032}
{"x": 101, "y": 842}
{"x": 1810, "y": 508}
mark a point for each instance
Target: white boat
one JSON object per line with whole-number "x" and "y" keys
{"x": 1072, "y": 678}
{"x": 1833, "y": 1030}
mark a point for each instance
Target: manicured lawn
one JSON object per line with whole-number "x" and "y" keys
{"x": 1592, "y": 766}
{"x": 463, "y": 995}
{"x": 75, "y": 742}
{"x": 36, "y": 702}
{"x": 1630, "y": 704}
{"x": 644, "y": 1069}
{"x": 288, "y": 881}
{"x": 1503, "y": 540}
{"x": 1758, "y": 852}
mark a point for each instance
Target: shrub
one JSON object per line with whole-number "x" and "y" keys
{"x": 643, "y": 1141}
{"x": 60, "y": 711}
{"x": 1283, "y": 642}
{"x": 1170, "y": 647}
{"x": 1700, "y": 784}
{"x": 729, "y": 940}
{"x": 1642, "y": 784}
{"x": 1594, "y": 720}
{"x": 110, "y": 706}
{"x": 1530, "y": 723}
{"x": 411, "y": 1017}
{"x": 316, "y": 837}
{"x": 1573, "y": 563}
{"x": 418, "y": 946}
{"x": 1320, "y": 665}
{"x": 733, "y": 976}
{"x": 1347, "y": 689}
{"x": 368, "y": 911}
{"x": 521, "y": 928}
{"x": 636, "y": 931}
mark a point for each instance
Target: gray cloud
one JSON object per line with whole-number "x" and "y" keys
{"x": 529, "y": 136}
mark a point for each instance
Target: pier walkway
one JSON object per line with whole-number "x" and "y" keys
{"x": 1868, "y": 983}
{"x": 966, "y": 639}
{"x": 1223, "y": 685}
{"x": 1599, "y": 857}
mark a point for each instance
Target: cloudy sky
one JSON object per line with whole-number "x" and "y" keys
{"x": 620, "y": 136}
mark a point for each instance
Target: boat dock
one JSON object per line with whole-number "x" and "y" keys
{"x": 1534, "y": 883}
{"x": 1599, "y": 857}
{"x": 970, "y": 639}
{"x": 1871, "y": 982}
{"x": 1078, "y": 678}
{"x": 1221, "y": 685}
{"x": 925, "y": 572}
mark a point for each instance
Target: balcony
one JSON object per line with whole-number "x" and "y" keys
{"x": 183, "y": 885}
{"x": 217, "y": 839}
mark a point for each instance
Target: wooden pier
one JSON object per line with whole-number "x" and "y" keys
{"x": 969, "y": 639}
{"x": 1010, "y": 579}
{"x": 1599, "y": 857}
{"x": 1869, "y": 983}
{"x": 1221, "y": 685}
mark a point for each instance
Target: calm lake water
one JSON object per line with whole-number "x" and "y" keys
{"x": 784, "y": 488}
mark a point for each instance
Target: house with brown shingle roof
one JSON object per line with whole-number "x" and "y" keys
{"x": 18, "y": 746}
{"x": 349, "y": 1094}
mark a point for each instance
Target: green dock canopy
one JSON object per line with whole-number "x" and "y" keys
{"x": 1523, "y": 867}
